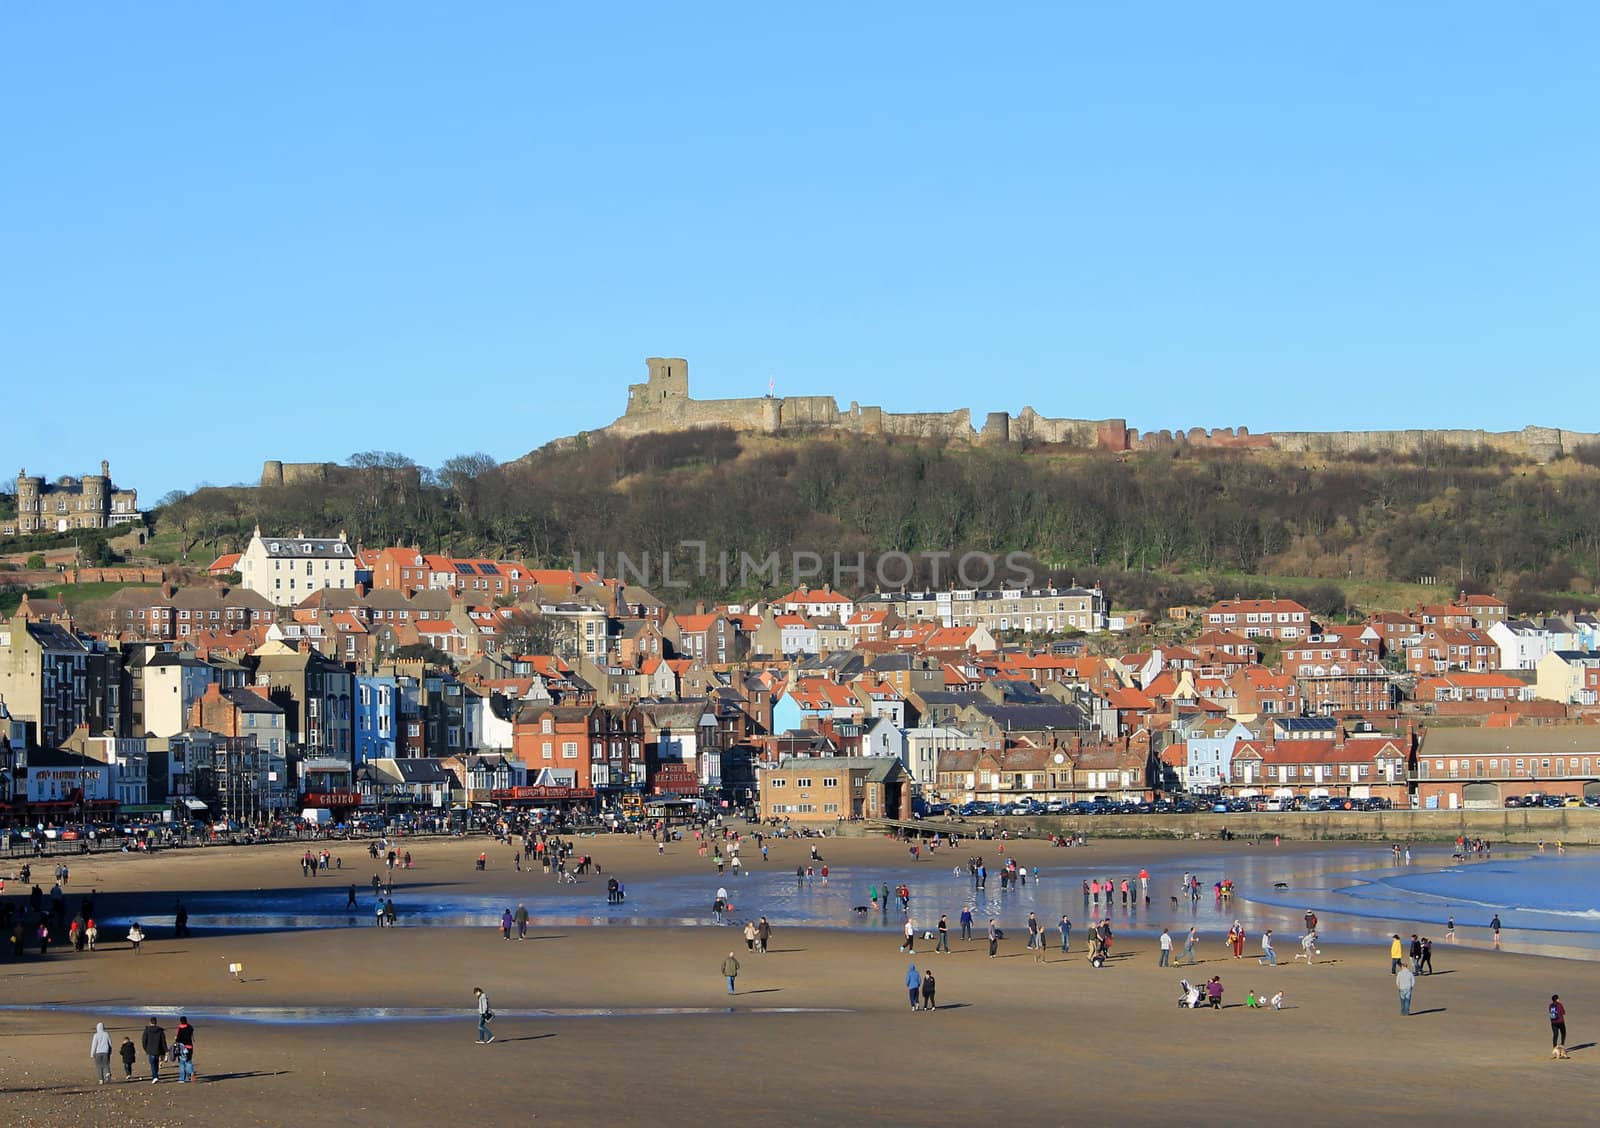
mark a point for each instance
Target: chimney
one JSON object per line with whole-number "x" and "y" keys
{"x": 699, "y": 607}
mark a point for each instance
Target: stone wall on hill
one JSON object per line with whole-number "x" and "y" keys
{"x": 663, "y": 403}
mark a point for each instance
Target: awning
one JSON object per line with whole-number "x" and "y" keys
{"x": 146, "y": 809}
{"x": 193, "y": 804}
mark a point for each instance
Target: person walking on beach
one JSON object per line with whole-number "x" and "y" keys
{"x": 1415, "y": 952}
{"x": 100, "y": 1051}
{"x": 1425, "y": 965}
{"x": 1450, "y": 931}
{"x": 909, "y": 944}
{"x": 1558, "y": 1028}
{"x": 944, "y": 935}
{"x": 1396, "y": 953}
{"x": 1166, "y": 949}
{"x": 1268, "y": 955}
{"x": 183, "y": 1044}
{"x": 749, "y": 935}
{"x": 1404, "y": 981}
{"x": 505, "y": 925}
{"x": 966, "y": 923}
{"x": 1494, "y": 926}
{"x": 521, "y": 917}
{"x": 994, "y": 937}
{"x": 129, "y": 1054}
{"x": 154, "y": 1041}
{"x": 763, "y": 935}
{"x": 1190, "y": 941}
{"x": 1035, "y": 940}
{"x": 136, "y": 937}
{"x": 928, "y": 987}
{"x": 486, "y": 1015}
{"x": 913, "y": 984}
{"x": 350, "y": 897}
{"x": 730, "y": 970}
{"x": 1066, "y": 933}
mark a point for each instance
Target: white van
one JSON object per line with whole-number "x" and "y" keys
{"x": 317, "y": 816}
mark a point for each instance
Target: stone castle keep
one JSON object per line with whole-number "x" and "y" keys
{"x": 663, "y": 403}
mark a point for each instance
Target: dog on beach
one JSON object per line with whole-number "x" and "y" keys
{"x": 860, "y": 909}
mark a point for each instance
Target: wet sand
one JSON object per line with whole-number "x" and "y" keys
{"x": 819, "y": 1032}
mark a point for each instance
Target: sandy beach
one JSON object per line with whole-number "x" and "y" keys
{"x": 635, "y": 1025}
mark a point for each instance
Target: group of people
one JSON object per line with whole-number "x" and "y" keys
{"x": 153, "y": 1040}
{"x": 1133, "y": 890}
{"x": 42, "y": 924}
{"x": 311, "y": 863}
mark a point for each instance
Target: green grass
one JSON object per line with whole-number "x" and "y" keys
{"x": 75, "y": 596}
{"x": 1366, "y": 595}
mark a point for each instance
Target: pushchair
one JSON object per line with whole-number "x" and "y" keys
{"x": 1190, "y": 997}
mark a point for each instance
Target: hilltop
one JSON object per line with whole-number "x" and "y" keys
{"x": 662, "y": 404}
{"x": 1157, "y": 527}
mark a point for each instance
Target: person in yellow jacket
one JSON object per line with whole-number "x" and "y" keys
{"x": 1396, "y": 953}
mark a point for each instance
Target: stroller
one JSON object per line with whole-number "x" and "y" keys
{"x": 1191, "y": 996}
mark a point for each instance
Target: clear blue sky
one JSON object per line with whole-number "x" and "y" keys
{"x": 235, "y": 232}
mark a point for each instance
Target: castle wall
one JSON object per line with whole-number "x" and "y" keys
{"x": 956, "y": 425}
{"x": 808, "y": 411}
{"x": 663, "y": 403}
{"x": 1030, "y": 426}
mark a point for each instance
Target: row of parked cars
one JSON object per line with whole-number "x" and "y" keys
{"x": 1535, "y": 799}
{"x": 1176, "y": 806}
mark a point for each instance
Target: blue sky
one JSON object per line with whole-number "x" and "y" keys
{"x": 302, "y": 230}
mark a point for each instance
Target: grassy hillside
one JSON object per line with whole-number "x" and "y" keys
{"x": 1157, "y": 528}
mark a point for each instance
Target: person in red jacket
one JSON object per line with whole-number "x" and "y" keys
{"x": 1558, "y": 1028}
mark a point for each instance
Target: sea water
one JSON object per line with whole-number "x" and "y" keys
{"x": 1546, "y": 903}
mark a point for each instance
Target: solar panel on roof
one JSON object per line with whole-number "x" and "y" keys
{"x": 464, "y": 569}
{"x": 489, "y": 569}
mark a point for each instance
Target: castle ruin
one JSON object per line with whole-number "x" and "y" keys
{"x": 663, "y": 403}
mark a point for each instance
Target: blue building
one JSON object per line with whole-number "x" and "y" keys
{"x": 377, "y": 717}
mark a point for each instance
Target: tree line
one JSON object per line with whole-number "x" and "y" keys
{"x": 1474, "y": 519}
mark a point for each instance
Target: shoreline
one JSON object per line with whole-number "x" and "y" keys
{"x": 635, "y": 1026}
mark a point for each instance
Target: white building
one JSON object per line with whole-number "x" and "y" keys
{"x": 923, "y": 745}
{"x": 1522, "y": 644}
{"x": 287, "y": 569}
{"x": 129, "y": 761}
{"x": 172, "y": 684}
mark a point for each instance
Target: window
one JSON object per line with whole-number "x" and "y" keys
{"x": 545, "y": 748}
{"x": 802, "y": 781}
{"x": 778, "y": 783}
{"x": 830, "y": 781}
{"x": 569, "y": 750}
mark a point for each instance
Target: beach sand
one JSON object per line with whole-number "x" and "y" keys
{"x": 820, "y": 1031}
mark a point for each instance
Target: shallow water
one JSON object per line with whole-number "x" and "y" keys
{"x": 1546, "y": 903}
{"x": 302, "y": 1016}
